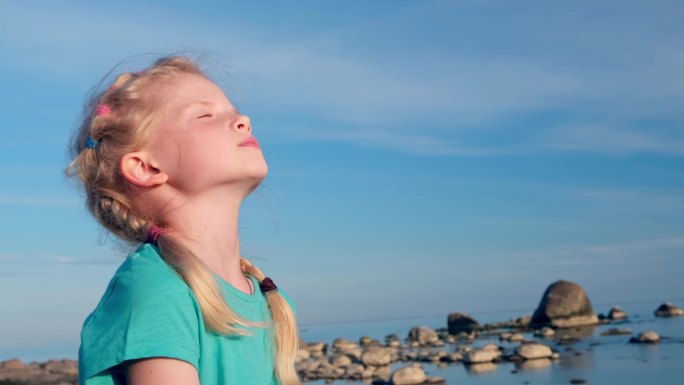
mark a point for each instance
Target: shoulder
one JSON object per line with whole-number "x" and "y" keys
{"x": 146, "y": 311}
{"x": 144, "y": 280}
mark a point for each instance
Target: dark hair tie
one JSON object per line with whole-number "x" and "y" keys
{"x": 267, "y": 286}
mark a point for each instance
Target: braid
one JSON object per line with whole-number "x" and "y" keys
{"x": 116, "y": 213}
{"x": 284, "y": 331}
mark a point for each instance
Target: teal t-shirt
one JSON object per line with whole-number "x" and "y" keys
{"x": 149, "y": 311}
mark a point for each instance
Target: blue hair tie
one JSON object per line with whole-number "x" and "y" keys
{"x": 91, "y": 143}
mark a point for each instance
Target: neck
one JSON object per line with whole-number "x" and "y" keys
{"x": 209, "y": 227}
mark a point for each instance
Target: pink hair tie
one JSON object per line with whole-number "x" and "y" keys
{"x": 103, "y": 110}
{"x": 153, "y": 233}
{"x": 112, "y": 87}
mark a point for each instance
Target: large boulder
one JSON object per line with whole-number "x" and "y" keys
{"x": 564, "y": 305}
{"x": 459, "y": 322}
{"x": 668, "y": 310}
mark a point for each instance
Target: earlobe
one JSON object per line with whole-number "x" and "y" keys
{"x": 137, "y": 170}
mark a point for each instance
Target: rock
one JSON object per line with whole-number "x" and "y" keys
{"x": 341, "y": 360}
{"x": 368, "y": 372}
{"x": 668, "y": 310}
{"x": 616, "y": 313}
{"x": 383, "y": 372}
{"x": 567, "y": 340}
{"x": 13, "y": 364}
{"x": 345, "y": 346}
{"x": 564, "y": 305}
{"x": 452, "y": 357}
{"x": 491, "y": 347}
{"x": 53, "y": 372}
{"x": 533, "y": 350}
{"x": 649, "y": 337}
{"x": 616, "y": 332}
{"x": 409, "y": 375}
{"x": 355, "y": 372}
{"x": 434, "y": 380}
{"x": 523, "y": 321}
{"x": 477, "y": 356}
{"x": 65, "y": 367}
{"x": 517, "y": 337}
{"x": 423, "y": 335}
{"x": 368, "y": 341}
{"x": 545, "y": 332}
{"x": 459, "y": 322}
{"x": 390, "y": 338}
{"x": 317, "y": 349}
{"x": 302, "y": 356}
{"x": 505, "y": 336}
{"x": 376, "y": 356}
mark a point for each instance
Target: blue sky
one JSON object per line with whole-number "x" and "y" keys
{"x": 425, "y": 157}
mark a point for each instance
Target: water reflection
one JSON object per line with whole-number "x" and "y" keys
{"x": 576, "y": 332}
{"x": 538, "y": 364}
{"x": 485, "y": 367}
{"x": 577, "y": 360}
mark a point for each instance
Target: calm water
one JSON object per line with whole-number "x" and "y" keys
{"x": 596, "y": 359}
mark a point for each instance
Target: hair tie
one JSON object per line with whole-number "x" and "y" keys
{"x": 103, "y": 110}
{"x": 153, "y": 233}
{"x": 267, "y": 286}
{"x": 91, "y": 143}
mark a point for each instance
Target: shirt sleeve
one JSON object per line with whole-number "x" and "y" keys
{"x": 140, "y": 316}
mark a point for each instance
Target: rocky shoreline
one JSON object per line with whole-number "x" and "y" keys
{"x": 529, "y": 342}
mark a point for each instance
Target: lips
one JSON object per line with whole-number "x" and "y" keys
{"x": 249, "y": 142}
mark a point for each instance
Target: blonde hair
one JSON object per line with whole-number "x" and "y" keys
{"x": 124, "y": 128}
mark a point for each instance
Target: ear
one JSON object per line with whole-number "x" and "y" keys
{"x": 137, "y": 169}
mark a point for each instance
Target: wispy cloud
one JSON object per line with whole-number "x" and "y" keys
{"x": 600, "y": 254}
{"x": 56, "y": 259}
{"x": 612, "y": 139}
{"x": 37, "y": 200}
{"x": 468, "y": 100}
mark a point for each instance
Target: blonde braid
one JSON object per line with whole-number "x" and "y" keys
{"x": 284, "y": 331}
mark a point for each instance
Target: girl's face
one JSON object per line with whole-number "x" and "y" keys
{"x": 201, "y": 141}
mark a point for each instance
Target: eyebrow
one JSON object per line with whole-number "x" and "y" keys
{"x": 203, "y": 103}
{"x": 193, "y": 104}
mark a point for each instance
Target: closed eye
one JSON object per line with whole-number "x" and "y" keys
{"x": 204, "y": 116}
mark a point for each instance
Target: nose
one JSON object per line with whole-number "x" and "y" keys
{"x": 241, "y": 123}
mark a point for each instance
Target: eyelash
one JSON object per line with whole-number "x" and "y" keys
{"x": 204, "y": 116}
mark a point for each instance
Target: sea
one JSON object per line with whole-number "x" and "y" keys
{"x": 595, "y": 359}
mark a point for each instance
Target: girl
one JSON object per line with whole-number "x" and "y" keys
{"x": 165, "y": 160}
